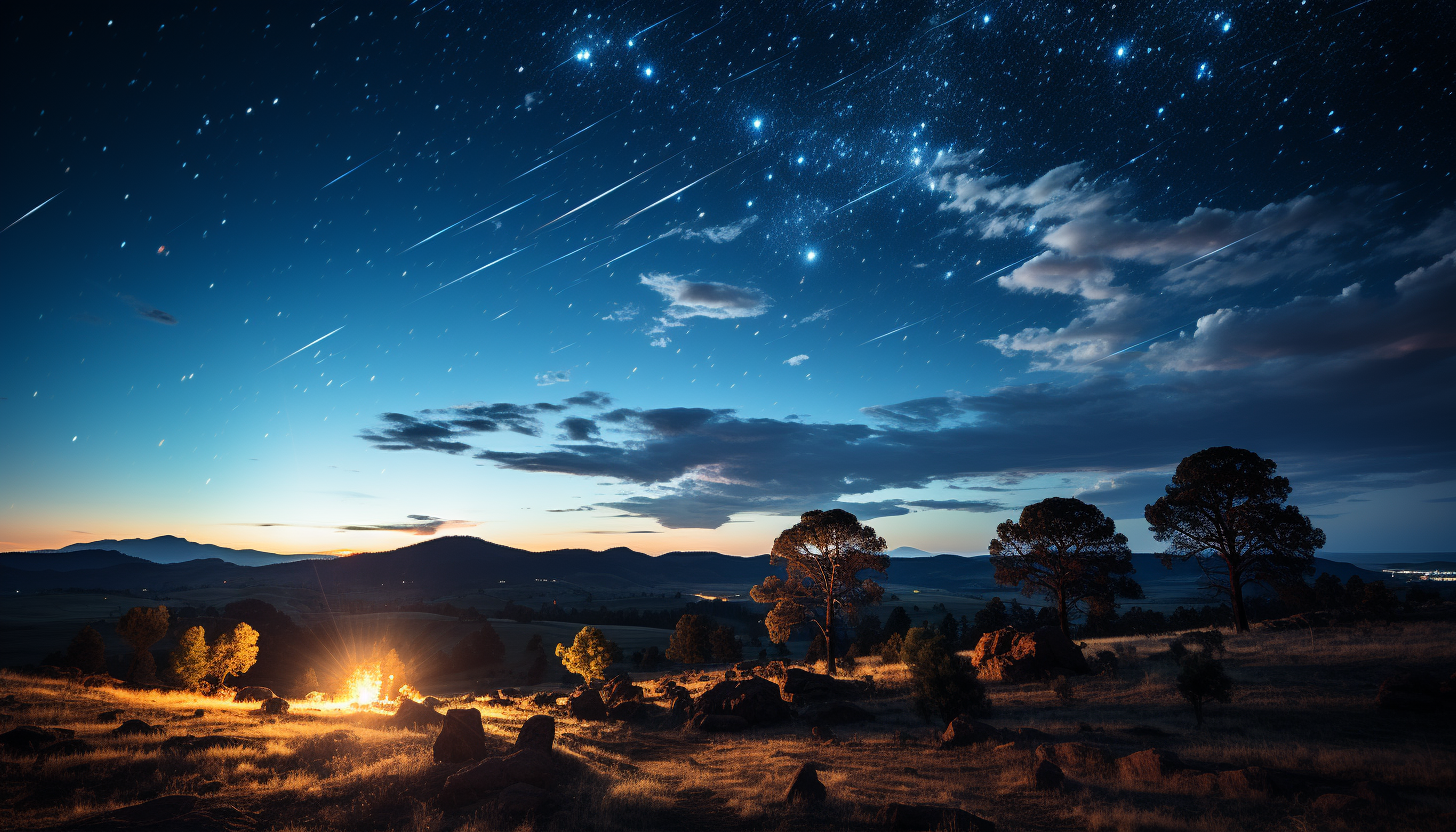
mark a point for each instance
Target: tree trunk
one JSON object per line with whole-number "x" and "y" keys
{"x": 1062, "y": 615}
{"x": 829, "y": 636}
{"x": 1236, "y": 596}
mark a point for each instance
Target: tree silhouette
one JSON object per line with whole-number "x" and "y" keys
{"x": 233, "y": 653}
{"x": 1226, "y": 508}
{"x": 1201, "y": 678}
{"x": 190, "y": 661}
{"x": 589, "y": 655}
{"x": 690, "y": 641}
{"x": 87, "y": 651}
{"x": 142, "y": 627}
{"x": 726, "y": 645}
{"x": 824, "y": 552}
{"x": 1067, "y": 551}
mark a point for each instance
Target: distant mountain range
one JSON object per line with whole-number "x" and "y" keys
{"x": 170, "y": 549}
{"x": 451, "y": 566}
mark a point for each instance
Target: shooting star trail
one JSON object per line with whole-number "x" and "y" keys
{"x": 1221, "y": 248}
{"x": 683, "y": 188}
{"x": 467, "y": 274}
{"x": 1140, "y": 343}
{"x": 447, "y": 228}
{"x": 356, "y": 167}
{"x": 566, "y": 255}
{"x": 841, "y": 78}
{"x": 1003, "y": 268}
{"x": 297, "y": 351}
{"x": 704, "y": 32}
{"x": 559, "y": 349}
{"x": 620, "y": 256}
{"x": 33, "y": 210}
{"x": 866, "y": 195}
{"x": 545, "y": 163}
{"x": 503, "y": 314}
{"x": 895, "y": 330}
{"x": 952, "y": 20}
{"x": 892, "y": 65}
{"x": 497, "y": 214}
{"x": 582, "y": 130}
{"x": 613, "y": 188}
{"x": 757, "y": 68}
{"x": 1140, "y": 155}
{"x": 662, "y": 21}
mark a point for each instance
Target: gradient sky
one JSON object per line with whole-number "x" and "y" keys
{"x": 666, "y": 276}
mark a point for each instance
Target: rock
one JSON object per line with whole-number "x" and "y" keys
{"x": 462, "y": 737}
{"x": 209, "y": 787}
{"x": 101, "y": 680}
{"x": 544, "y": 699}
{"x": 1026, "y": 735}
{"x": 1151, "y": 765}
{"x": 253, "y": 694}
{"x": 1048, "y": 776}
{"x": 1411, "y": 692}
{"x": 67, "y": 748}
{"x": 620, "y": 689}
{"x": 528, "y": 765}
{"x": 908, "y": 817}
{"x": 823, "y": 733}
{"x": 801, "y": 686}
{"x": 539, "y": 732}
{"x": 412, "y": 714}
{"x": 27, "y": 738}
{"x": 431, "y": 702}
{"x": 746, "y": 667}
{"x": 187, "y": 744}
{"x": 169, "y": 813}
{"x": 275, "y": 706}
{"x": 509, "y": 693}
{"x": 963, "y": 731}
{"x": 522, "y": 799}
{"x": 836, "y": 713}
{"x": 1077, "y": 757}
{"x": 1008, "y": 655}
{"x": 586, "y": 704}
{"x": 755, "y": 700}
{"x": 1247, "y": 782}
{"x": 682, "y": 703}
{"x": 805, "y": 787}
{"x": 1333, "y": 804}
{"x": 199, "y": 713}
{"x": 720, "y": 723}
{"x": 633, "y": 710}
{"x": 135, "y": 727}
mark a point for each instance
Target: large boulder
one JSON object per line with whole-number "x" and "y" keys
{"x": 539, "y": 732}
{"x": 619, "y": 689}
{"x": 169, "y": 813}
{"x": 1151, "y": 765}
{"x": 253, "y": 694}
{"x": 756, "y": 700}
{"x": 801, "y": 686}
{"x": 911, "y": 817}
{"x": 275, "y": 706}
{"x": 1048, "y": 776}
{"x": 1008, "y": 655}
{"x": 188, "y": 744}
{"x": 805, "y": 787}
{"x": 411, "y": 714}
{"x": 528, "y": 765}
{"x": 963, "y": 731}
{"x": 837, "y": 712}
{"x": 1411, "y": 692}
{"x": 720, "y": 723}
{"x": 1078, "y": 758}
{"x": 462, "y": 737}
{"x": 587, "y": 705}
{"x": 27, "y": 738}
{"x": 134, "y": 727}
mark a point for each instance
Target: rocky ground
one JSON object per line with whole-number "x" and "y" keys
{"x": 1333, "y": 728}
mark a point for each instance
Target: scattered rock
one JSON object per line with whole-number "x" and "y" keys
{"x": 432, "y": 702}
{"x": 823, "y": 733}
{"x": 27, "y": 738}
{"x": 756, "y": 700}
{"x": 1009, "y": 655}
{"x": 170, "y": 813}
{"x": 747, "y": 666}
{"x": 801, "y": 686}
{"x": 135, "y": 727}
{"x": 1333, "y": 804}
{"x": 963, "y": 731}
{"x": 1411, "y": 692}
{"x": 275, "y": 706}
{"x": 544, "y": 699}
{"x": 805, "y": 787}
{"x": 101, "y": 680}
{"x": 412, "y": 714}
{"x": 199, "y": 713}
{"x": 586, "y": 704}
{"x": 209, "y": 787}
{"x": 1048, "y": 776}
{"x": 188, "y": 744}
{"x": 720, "y": 723}
{"x": 509, "y": 693}
{"x": 1026, "y": 735}
{"x": 528, "y": 765}
{"x": 253, "y": 694}
{"x": 1247, "y": 782}
{"x": 836, "y": 713}
{"x": 1077, "y": 757}
{"x": 539, "y": 732}
{"x": 67, "y": 748}
{"x": 908, "y": 817}
{"x": 1151, "y": 765}
{"x": 520, "y": 799}
{"x": 620, "y": 689}
{"x": 462, "y": 737}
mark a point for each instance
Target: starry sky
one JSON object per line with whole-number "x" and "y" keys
{"x": 338, "y": 278}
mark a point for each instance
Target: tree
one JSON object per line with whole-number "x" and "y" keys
{"x": 190, "y": 661}
{"x": 1200, "y": 679}
{"x": 589, "y": 655}
{"x": 824, "y": 553}
{"x": 690, "y": 640}
{"x": 233, "y": 653}
{"x": 1068, "y": 552}
{"x": 142, "y": 627}
{"x": 726, "y": 645}
{"x": 992, "y": 617}
{"x": 897, "y": 622}
{"x": 951, "y": 630}
{"x": 482, "y": 647}
{"x": 87, "y": 651}
{"x": 1226, "y": 508}
{"x": 943, "y": 684}
{"x": 868, "y": 635}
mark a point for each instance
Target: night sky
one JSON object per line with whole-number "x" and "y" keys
{"x": 332, "y": 278}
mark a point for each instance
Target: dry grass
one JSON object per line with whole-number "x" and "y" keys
{"x": 1298, "y": 707}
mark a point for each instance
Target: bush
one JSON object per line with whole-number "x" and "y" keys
{"x": 1210, "y": 640}
{"x": 691, "y": 640}
{"x": 1064, "y": 690}
{"x": 190, "y": 662}
{"x": 1202, "y": 678}
{"x": 1105, "y": 662}
{"x": 589, "y": 655}
{"x": 87, "y": 651}
{"x": 943, "y": 684}
{"x": 890, "y": 650}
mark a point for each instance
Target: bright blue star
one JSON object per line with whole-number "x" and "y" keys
{"x": 810, "y": 255}
{"x": 647, "y": 71}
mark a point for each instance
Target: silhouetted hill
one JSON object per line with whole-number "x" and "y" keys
{"x": 170, "y": 549}
{"x": 133, "y": 575}
{"x": 68, "y": 561}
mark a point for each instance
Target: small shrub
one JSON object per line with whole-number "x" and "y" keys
{"x": 943, "y": 684}
{"x": 1105, "y": 662}
{"x": 1210, "y": 640}
{"x": 1202, "y": 678}
{"x": 1064, "y": 689}
{"x": 890, "y": 650}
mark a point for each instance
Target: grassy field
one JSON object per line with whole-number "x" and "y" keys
{"x": 1302, "y": 706}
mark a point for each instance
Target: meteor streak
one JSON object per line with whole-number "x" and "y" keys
{"x": 566, "y": 255}
{"x": 841, "y": 78}
{"x": 31, "y": 211}
{"x": 662, "y": 21}
{"x": 620, "y": 256}
{"x": 862, "y": 196}
{"x": 1002, "y": 269}
{"x": 448, "y": 227}
{"x": 493, "y": 216}
{"x": 757, "y": 68}
{"x": 579, "y": 132}
{"x": 609, "y": 190}
{"x": 895, "y": 330}
{"x": 1221, "y": 248}
{"x": 297, "y": 351}
{"x": 467, "y": 274}
{"x": 354, "y": 168}
{"x": 1140, "y": 343}
{"x": 683, "y": 188}
{"x": 545, "y": 163}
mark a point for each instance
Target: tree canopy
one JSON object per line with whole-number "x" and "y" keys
{"x": 690, "y": 640}
{"x": 87, "y": 651}
{"x": 1068, "y": 552}
{"x": 1226, "y": 508}
{"x": 142, "y": 627}
{"x": 589, "y": 655}
{"x": 233, "y": 653}
{"x": 190, "y": 661}
{"x": 824, "y": 554}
